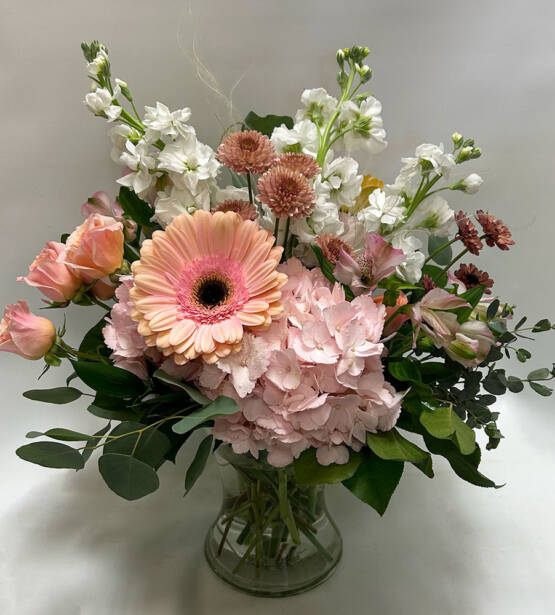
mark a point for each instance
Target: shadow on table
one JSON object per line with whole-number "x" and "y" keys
{"x": 71, "y": 547}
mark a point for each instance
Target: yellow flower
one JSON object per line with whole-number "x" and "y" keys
{"x": 369, "y": 184}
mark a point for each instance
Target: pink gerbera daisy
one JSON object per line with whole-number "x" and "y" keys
{"x": 202, "y": 281}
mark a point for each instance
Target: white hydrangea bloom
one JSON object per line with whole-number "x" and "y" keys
{"x": 140, "y": 158}
{"x": 99, "y": 101}
{"x": 472, "y": 183}
{"x": 95, "y": 67}
{"x": 340, "y": 180}
{"x": 319, "y": 106}
{"x": 170, "y": 204}
{"x": 411, "y": 269}
{"x": 433, "y": 215}
{"x": 231, "y": 193}
{"x": 385, "y": 210}
{"x": 167, "y": 123}
{"x": 303, "y": 137}
{"x": 367, "y": 132}
{"x": 188, "y": 162}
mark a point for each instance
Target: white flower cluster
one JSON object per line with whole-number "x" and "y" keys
{"x": 363, "y": 126}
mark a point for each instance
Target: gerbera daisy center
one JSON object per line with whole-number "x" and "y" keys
{"x": 212, "y": 290}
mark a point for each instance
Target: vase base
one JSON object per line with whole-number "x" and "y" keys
{"x": 271, "y": 583}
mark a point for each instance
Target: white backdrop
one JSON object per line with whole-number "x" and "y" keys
{"x": 486, "y": 69}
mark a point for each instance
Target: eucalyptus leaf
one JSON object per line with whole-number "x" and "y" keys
{"x": 58, "y": 395}
{"x": 199, "y": 463}
{"x": 127, "y": 476}
{"x": 67, "y": 435}
{"x": 267, "y": 123}
{"x": 51, "y": 455}
{"x": 435, "y": 243}
{"x": 539, "y": 374}
{"x": 195, "y": 395}
{"x": 94, "y": 441}
{"x": 222, "y": 405}
{"x": 149, "y": 445}
{"x": 308, "y": 471}
{"x": 541, "y": 389}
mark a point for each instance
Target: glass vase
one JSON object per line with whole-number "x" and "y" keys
{"x": 272, "y": 537}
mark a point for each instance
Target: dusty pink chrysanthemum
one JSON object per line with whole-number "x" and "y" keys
{"x": 202, "y": 281}
{"x": 287, "y": 193}
{"x": 471, "y": 276}
{"x": 497, "y": 234}
{"x": 468, "y": 234}
{"x": 301, "y": 163}
{"x": 331, "y": 247}
{"x": 246, "y": 210}
{"x": 248, "y": 151}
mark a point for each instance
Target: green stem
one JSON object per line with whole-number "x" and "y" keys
{"x": 98, "y": 302}
{"x": 440, "y": 249}
{"x": 285, "y": 507}
{"x": 249, "y": 184}
{"x": 449, "y": 265}
{"x": 276, "y": 229}
{"x": 286, "y": 236}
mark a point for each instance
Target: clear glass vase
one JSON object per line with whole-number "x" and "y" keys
{"x": 272, "y": 537}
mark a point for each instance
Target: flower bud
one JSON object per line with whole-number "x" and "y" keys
{"x": 471, "y": 183}
{"x": 340, "y": 57}
{"x": 476, "y": 152}
{"x": 457, "y": 139}
{"x": 25, "y": 334}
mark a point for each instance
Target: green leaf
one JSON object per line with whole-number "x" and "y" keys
{"x": 58, "y": 395}
{"x": 266, "y": 124}
{"x": 492, "y": 310}
{"x": 541, "y": 389}
{"x": 494, "y": 384}
{"x": 127, "y": 476}
{"x": 149, "y": 446}
{"x": 404, "y": 370}
{"x": 375, "y": 480}
{"x": 309, "y": 472}
{"x": 464, "y": 436}
{"x": 539, "y": 374}
{"x": 465, "y": 466}
{"x": 541, "y": 325}
{"x": 220, "y": 406}
{"x": 94, "y": 340}
{"x": 198, "y": 464}
{"x": 392, "y": 446}
{"x": 438, "y": 422}
{"x": 135, "y": 207}
{"x": 51, "y": 455}
{"x": 325, "y": 265}
{"x": 191, "y": 391}
{"x": 515, "y": 385}
{"x": 112, "y": 381}
{"x": 523, "y": 355}
{"x": 67, "y": 435}
{"x": 445, "y": 256}
{"x": 87, "y": 452}
{"x": 437, "y": 274}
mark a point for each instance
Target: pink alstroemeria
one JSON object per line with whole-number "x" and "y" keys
{"x": 430, "y": 315}
{"x": 363, "y": 272}
{"x": 472, "y": 343}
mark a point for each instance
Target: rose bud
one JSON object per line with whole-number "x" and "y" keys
{"x": 54, "y": 279}
{"x": 94, "y": 249}
{"x": 25, "y": 334}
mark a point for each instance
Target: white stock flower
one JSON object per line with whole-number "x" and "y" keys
{"x": 168, "y": 206}
{"x": 139, "y": 158}
{"x": 303, "y": 138}
{"x": 472, "y": 183}
{"x": 119, "y": 135}
{"x": 367, "y": 132}
{"x": 95, "y": 67}
{"x": 319, "y": 106}
{"x": 433, "y": 215}
{"x": 100, "y": 101}
{"x": 440, "y": 162}
{"x": 188, "y": 162}
{"x": 340, "y": 179}
{"x": 323, "y": 219}
{"x": 167, "y": 123}
{"x": 411, "y": 269}
{"x": 231, "y": 193}
{"x": 384, "y": 209}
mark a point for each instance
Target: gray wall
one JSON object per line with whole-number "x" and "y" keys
{"x": 484, "y": 68}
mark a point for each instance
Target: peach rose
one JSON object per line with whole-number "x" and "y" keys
{"x": 25, "y": 334}
{"x": 94, "y": 249}
{"x": 395, "y": 323}
{"x": 53, "y": 278}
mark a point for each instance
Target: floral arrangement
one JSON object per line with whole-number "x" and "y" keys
{"x": 304, "y": 312}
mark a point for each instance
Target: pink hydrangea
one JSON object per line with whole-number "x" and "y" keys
{"x": 121, "y": 335}
{"x": 314, "y": 378}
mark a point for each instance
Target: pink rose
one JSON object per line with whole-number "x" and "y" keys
{"x": 53, "y": 278}
{"x": 94, "y": 249}
{"x": 25, "y": 334}
{"x": 100, "y": 203}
